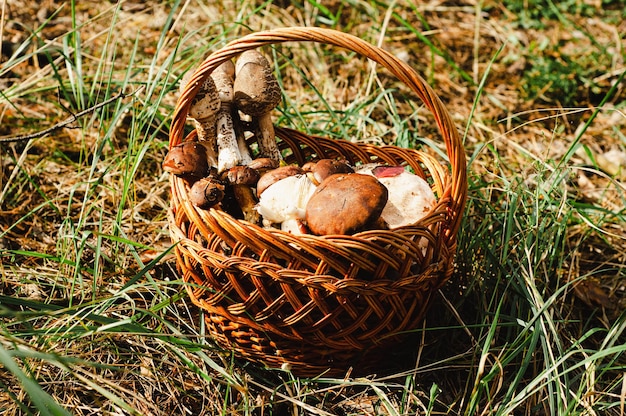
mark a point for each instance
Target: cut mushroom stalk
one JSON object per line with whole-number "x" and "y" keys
{"x": 257, "y": 93}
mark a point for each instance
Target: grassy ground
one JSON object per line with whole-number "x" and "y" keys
{"x": 93, "y": 319}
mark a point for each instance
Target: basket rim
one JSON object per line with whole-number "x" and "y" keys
{"x": 401, "y": 70}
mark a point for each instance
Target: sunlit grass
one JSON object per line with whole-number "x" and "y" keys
{"x": 94, "y": 318}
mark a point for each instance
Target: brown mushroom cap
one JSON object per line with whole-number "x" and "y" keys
{"x": 187, "y": 160}
{"x": 242, "y": 175}
{"x": 326, "y": 167}
{"x": 345, "y": 203}
{"x": 264, "y": 164}
{"x": 274, "y": 175}
{"x": 206, "y": 192}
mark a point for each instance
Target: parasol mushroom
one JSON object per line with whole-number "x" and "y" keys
{"x": 203, "y": 110}
{"x": 257, "y": 93}
{"x": 230, "y": 152}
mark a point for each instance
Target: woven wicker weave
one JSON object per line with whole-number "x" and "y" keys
{"x": 318, "y": 303}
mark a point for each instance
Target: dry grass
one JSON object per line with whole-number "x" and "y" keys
{"x": 90, "y": 304}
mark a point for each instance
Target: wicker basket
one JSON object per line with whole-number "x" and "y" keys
{"x": 318, "y": 304}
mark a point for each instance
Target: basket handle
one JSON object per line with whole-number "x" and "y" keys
{"x": 406, "y": 74}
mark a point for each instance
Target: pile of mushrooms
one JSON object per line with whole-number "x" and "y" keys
{"x": 331, "y": 197}
{"x": 323, "y": 197}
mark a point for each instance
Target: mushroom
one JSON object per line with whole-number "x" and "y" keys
{"x": 410, "y": 196}
{"x": 188, "y": 161}
{"x": 230, "y": 152}
{"x": 206, "y": 192}
{"x": 284, "y": 201}
{"x": 203, "y": 110}
{"x": 345, "y": 203}
{"x": 241, "y": 179}
{"x": 323, "y": 168}
{"x": 274, "y": 175}
{"x": 264, "y": 164}
{"x": 257, "y": 93}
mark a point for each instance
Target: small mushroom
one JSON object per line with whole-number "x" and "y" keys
{"x": 323, "y": 168}
{"x": 257, "y": 93}
{"x": 410, "y": 196}
{"x": 203, "y": 110}
{"x": 241, "y": 180}
{"x": 284, "y": 202}
{"x": 206, "y": 193}
{"x": 264, "y": 164}
{"x": 188, "y": 161}
{"x": 274, "y": 175}
{"x": 230, "y": 152}
{"x": 345, "y": 203}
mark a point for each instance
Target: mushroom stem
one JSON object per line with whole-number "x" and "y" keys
{"x": 228, "y": 150}
{"x": 244, "y": 150}
{"x": 247, "y": 201}
{"x": 207, "y": 134}
{"x": 229, "y": 153}
{"x": 266, "y": 137}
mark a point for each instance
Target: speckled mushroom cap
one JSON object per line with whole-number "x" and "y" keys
{"x": 206, "y": 103}
{"x": 345, "y": 203}
{"x": 256, "y": 89}
{"x": 223, "y": 77}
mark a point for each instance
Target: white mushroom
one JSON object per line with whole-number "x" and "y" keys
{"x": 410, "y": 197}
{"x": 284, "y": 202}
{"x": 257, "y": 93}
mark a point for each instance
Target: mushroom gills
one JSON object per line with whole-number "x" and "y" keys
{"x": 285, "y": 200}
